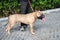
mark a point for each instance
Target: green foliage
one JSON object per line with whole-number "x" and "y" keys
{"x": 45, "y": 4}
{"x": 10, "y": 5}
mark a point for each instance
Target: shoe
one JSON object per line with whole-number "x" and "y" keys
{"x": 23, "y": 28}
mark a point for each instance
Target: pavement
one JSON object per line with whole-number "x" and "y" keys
{"x": 48, "y": 30}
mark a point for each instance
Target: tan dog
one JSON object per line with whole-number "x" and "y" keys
{"x": 23, "y": 18}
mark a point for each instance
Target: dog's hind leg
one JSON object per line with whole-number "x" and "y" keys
{"x": 9, "y": 26}
{"x": 7, "y": 29}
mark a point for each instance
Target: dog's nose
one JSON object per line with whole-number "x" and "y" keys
{"x": 43, "y": 15}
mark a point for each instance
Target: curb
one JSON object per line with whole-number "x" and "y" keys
{"x": 3, "y": 19}
{"x": 51, "y": 11}
{"x": 44, "y": 12}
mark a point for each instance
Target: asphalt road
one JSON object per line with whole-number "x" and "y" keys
{"x": 48, "y": 30}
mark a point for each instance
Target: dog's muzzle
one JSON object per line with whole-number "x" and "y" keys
{"x": 42, "y": 17}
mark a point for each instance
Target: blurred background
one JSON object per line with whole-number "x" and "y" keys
{"x": 13, "y": 5}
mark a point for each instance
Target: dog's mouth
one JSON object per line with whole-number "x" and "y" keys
{"x": 42, "y": 17}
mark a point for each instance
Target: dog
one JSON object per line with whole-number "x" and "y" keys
{"x": 29, "y": 18}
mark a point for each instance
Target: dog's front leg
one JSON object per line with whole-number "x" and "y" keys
{"x": 31, "y": 28}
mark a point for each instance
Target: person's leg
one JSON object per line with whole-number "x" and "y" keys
{"x": 23, "y": 11}
{"x": 23, "y": 7}
{"x": 28, "y": 9}
{"x": 23, "y": 26}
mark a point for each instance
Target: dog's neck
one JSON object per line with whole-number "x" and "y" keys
{"x": 34, "y": 13}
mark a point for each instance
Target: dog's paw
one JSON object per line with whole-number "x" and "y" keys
{"x": 6, "y": 30}
{"x": 33, "y": 33}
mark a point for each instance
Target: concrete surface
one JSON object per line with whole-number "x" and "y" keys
{"x": 48, "y": 30}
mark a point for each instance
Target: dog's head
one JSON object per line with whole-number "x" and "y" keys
{"x": 40, "y": 15}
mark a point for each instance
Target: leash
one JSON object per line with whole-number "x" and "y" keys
{"x": 30, "y": 5}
